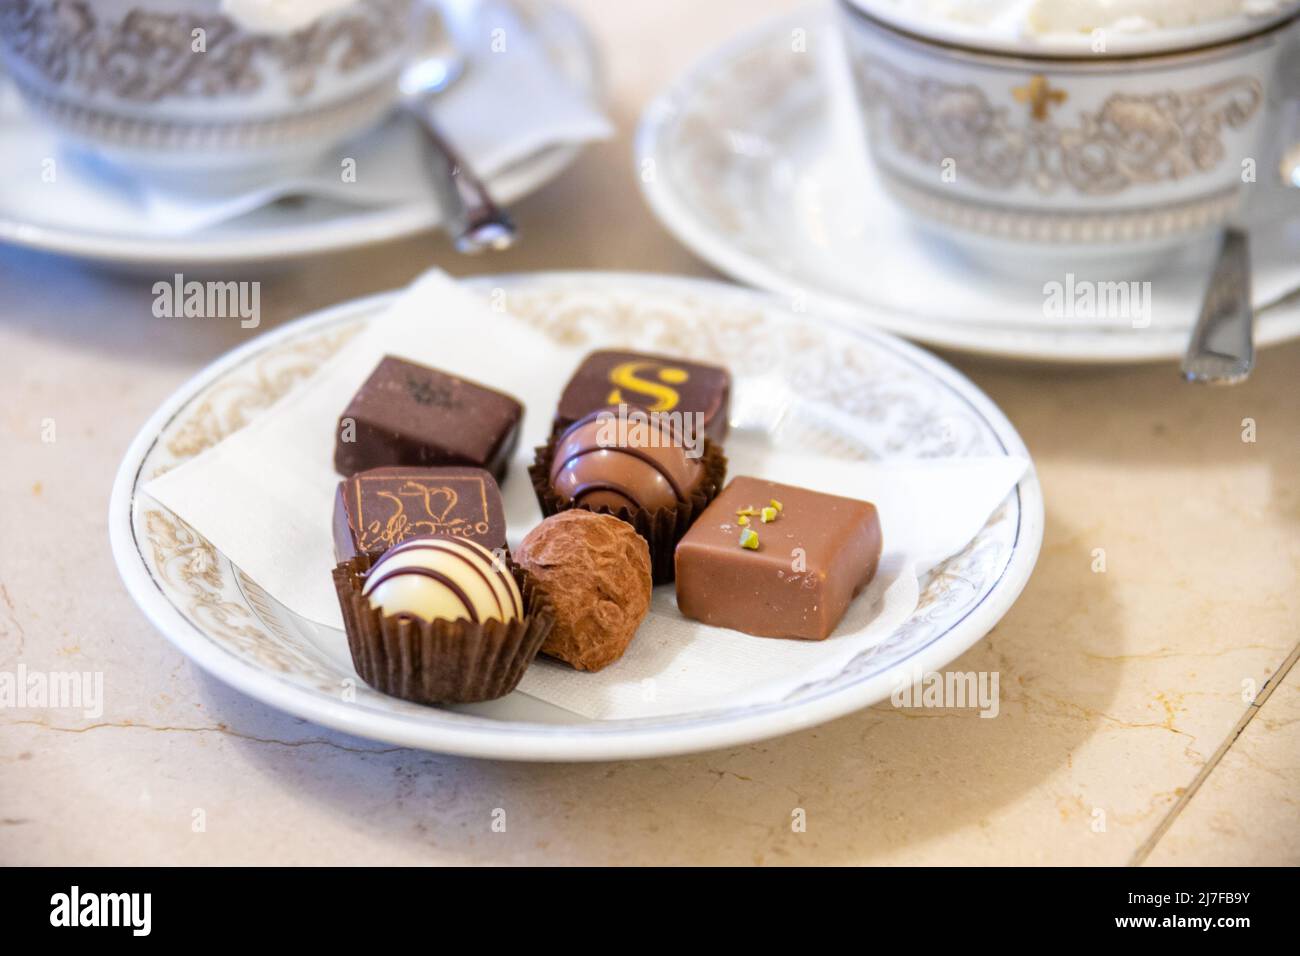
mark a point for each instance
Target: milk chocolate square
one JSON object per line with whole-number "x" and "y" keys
{"x": 410, "y": 415}
{"x": 814, "y": 555}
{"x": 656, "y": 383}
{"x": 376, "y": 509}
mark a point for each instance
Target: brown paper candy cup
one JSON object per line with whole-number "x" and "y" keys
{"x": 662, "y": 528}
{"x": 439, "y": 662}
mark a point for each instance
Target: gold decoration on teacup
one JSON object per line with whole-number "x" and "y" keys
{"x": 146, "y": 55}
{"x": 1040, "y": 96}
{"x": 1130, "y": 138}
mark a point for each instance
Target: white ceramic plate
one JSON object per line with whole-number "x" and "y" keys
{"x": 113, "y": 234}
{"x": 896, "y": 400}
{"x": 754, "y": 159}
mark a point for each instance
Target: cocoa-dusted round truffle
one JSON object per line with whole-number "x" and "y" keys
{"x": 596, "y": 571}
{"x": 635, "y": 463}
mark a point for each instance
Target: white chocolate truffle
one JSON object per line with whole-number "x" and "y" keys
{"x": 442, "y": 578}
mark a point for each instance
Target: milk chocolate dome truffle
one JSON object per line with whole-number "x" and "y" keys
{"x": 635, "y": 464}
{"x": 595, "y": 569}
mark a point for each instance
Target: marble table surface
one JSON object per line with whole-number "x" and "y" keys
{"x": 1149, "y": 712}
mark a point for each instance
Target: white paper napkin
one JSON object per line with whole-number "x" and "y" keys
{"x": 509, "y": 104}
{"x": 264, "y": 498}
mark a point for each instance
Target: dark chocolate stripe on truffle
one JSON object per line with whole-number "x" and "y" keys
{"x": 635, "y": 453}
{"x": 491, "y": 560}
{"x": 438, "y": 576}
{"x": 591, "y": 486}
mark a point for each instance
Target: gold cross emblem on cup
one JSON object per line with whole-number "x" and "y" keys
{"x": 1040, "y": 96}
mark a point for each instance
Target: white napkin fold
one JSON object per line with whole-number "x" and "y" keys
{"x": 508, "y": 105}
{"x": 264, "y": 498}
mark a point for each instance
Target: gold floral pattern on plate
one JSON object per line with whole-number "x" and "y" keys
{"x": 230, "y": 403}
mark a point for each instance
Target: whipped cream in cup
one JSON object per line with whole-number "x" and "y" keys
{"x": 1080, "y": 27}
{"x": 279, "y": 16}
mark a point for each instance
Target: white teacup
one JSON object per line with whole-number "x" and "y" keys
{"x": 176, "y": 88}
{"x": 1104, "y": 152}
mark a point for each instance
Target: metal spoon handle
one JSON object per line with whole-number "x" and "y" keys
{"x": 472, "y": 218}
{"x": 1222, "y": 348}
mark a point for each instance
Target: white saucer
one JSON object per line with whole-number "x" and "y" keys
{"x": 97, "y": 224}
{"x": 754, "y": 159}
{"x": 225, "y": 623}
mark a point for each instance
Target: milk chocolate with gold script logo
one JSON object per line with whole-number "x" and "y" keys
{"x": 410, "y": 415}
{"x": 655, "y": 383}
{"x": 377, "y": 509}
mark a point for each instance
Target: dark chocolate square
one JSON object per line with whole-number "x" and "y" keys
{"x": 656, "y": 383}
{"x": 382, "y": 507}
{"x": 812, "y": 560}
{"x": 410, "y": 415}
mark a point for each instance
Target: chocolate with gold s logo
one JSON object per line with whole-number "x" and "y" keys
{"x": 656, "y": 383}
{"x": 653, "y": 380}
{"x": 380, "y": 508}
